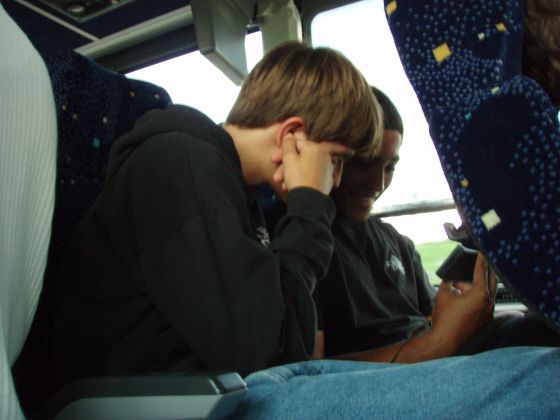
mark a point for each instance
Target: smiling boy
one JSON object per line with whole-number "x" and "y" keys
{"x": 377, "y": 301}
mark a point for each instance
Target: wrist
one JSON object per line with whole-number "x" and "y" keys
{"x": 442, "y": 343}
{"x": 306, "y": 200}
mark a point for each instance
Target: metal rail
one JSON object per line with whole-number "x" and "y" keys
{"x": 416, "y": 208}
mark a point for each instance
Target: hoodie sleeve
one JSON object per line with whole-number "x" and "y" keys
{"x": 235, "y": 302}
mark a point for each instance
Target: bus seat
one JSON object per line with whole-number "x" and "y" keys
{"x": 27, "y": 185}
{"x": 94, "y": 106}
{"x": 496, "y": 132}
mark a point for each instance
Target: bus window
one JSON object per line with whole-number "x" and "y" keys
{"x": 192, "y": 80}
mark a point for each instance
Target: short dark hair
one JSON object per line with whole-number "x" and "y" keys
{"x": 391, "y": 118}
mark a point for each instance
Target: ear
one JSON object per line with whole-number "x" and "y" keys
{"x": 289, "y": 126}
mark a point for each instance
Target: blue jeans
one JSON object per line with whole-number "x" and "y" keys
{"x": 510, "y": 383}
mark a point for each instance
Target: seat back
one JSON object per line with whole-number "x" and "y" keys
{"x": 497, "y": 135}
{"x": 27, "y": 182}
{"x": 94, "y": 106}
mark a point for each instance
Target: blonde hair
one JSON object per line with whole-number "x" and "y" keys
{"x": 541, "y": 45}
{"x": 319, "y": 85}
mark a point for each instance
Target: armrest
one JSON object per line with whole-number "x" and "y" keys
{"x": 508, "y": 300}
{"x": 186, "y": 396}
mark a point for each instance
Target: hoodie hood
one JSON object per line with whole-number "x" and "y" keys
{"x": 175, "y": 118}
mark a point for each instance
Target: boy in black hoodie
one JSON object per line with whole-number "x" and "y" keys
{"x": 173, "y": 269}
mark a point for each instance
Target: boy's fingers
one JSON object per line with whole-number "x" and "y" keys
{"x": 279, "y": 174}
{"x": 491, "y": 280}
{"x": 463, "y": 286}
{"x": 479, "y": 278}
{"x": 484, "y": 277}
{"x": 325, "y": 146}
{"x": 301, "y": 139}
{"x": 336, "y": 148}
{"x": 289, "y": 144}
{"x": 276, "y": 156}
{"x": 447, "y": 287}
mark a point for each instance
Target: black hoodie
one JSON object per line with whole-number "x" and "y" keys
{"x": 172, "y": 269}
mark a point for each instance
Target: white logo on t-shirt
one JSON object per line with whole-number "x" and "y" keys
{"x": 394, "y": 264}
{"x": 262, "y": 235}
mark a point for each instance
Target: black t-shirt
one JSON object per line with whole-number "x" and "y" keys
{"x": 376, "y": 291}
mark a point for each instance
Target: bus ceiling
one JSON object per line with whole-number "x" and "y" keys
{"x": 125, "y": 35}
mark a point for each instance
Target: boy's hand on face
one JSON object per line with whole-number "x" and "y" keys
{"x": 311, "y": 164}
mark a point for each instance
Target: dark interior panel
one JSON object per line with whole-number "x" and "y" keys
{"x": 51, "y": 31}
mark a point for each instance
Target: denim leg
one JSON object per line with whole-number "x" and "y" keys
{"x": 516, "y": 382}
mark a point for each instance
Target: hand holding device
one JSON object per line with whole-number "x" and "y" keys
{"x": 459, "y": 265}
{"x": 462, "y": 309}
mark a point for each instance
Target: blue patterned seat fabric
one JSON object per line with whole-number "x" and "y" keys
{"x": 496, "y": 133}
{"x": 94, "y": 107}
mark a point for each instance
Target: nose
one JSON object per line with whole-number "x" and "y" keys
{"x": 377, "y": 179}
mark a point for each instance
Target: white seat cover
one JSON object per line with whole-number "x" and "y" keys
{"x": 27, "y": 183}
